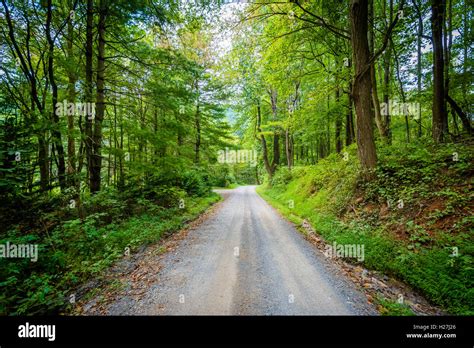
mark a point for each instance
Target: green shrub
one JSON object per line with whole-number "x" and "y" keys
{"x": 282, "y": 177}
{"x": 196, "y": 182}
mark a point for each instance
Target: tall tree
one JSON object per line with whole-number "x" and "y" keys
{"x": 57, "y": 139}
{"x": 96, "y": 159}
{"x": 362, "y": 85}
{"x": 440, "y": 120}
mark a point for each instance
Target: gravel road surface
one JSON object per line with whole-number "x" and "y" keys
{"x": 245, "y": 259}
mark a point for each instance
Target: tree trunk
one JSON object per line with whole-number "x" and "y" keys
{"x": 338, "y": 125}
{"x": 71, "y": 88}
{"x": 197, "y": 124}
{"x": 266, "y": 161}
{"x": 350, "y": 132}
{"x": 54, "y": 116}
{"x": 276, "y": 136}
{"x": 419, "y": 63}
{"x": 375, "y": 96}
{"x": 96, "y": 163}
{"x": 386, "y": 79}
{"x": 448, "y": 40}
{"x": 362, "y": 86}
{"x": 467, "y": 26}
{"x": 89, "y": 87}
{"x": 439, "y": 105}
{"x": 464, "y": 118}
{"x": 121, "y": 181}
{"x": 289, "y": 148}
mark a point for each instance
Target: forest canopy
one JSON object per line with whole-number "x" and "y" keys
{"x": 116, "y": 114}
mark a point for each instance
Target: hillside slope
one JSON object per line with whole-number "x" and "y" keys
{"x": 414, "y": 220}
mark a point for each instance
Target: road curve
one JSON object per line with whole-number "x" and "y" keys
{"x": 245, "y": 259}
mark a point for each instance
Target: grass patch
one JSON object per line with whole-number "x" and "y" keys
{"x": 388, "y": 307}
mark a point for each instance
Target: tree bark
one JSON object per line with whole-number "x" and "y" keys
{"x": 418, "y": 61}
{"x": 447, "y": 43}
{"x": 266, "y": 162}
{"x": 362, "y": 86}
{"x": 96, "y": 163}
{"x": 56, "y": 134}
{"x": 71, "y": 89}
{"x": 89, "y": 87}
{"x": 375, "y": 97}
{"x": 197, "y": 124}
{"x": 350, "y": 132}
{"x": 464, "y": 118}
{"x": 289, "y": 148}
{"x": 439, "y": 105}
{"x": 276, "y": 136}
{"x": 338, "y": 125}
{"x": 386, "y": 79}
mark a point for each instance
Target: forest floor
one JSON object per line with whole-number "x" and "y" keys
{"x": 240, "y": 258}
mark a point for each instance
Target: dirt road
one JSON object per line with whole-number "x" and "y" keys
{"x": 245, "y": 259}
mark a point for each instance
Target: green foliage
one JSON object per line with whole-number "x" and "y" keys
{"x": 226, "y": 175}
{"x": 394, "y": 308}
{"x": 410, "y": 170}
{"x": 78, "y": 249}
{"x": 196, "y": 182}
{"x": 282, "y": 177}
{"x": 324, "y": 195}
{"x": 222, "y": 176}
{"x": 170, "y": 98}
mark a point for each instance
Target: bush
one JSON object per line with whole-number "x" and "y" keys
{"x": 166, "y": 196}
{"x": 221, "y": 175}
{"x": 196, "y": 182}
{"x": 282, "y": 177}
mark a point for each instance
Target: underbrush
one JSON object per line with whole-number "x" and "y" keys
{"x": 79, "y": 237}
{"x": 414, "y": 219}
